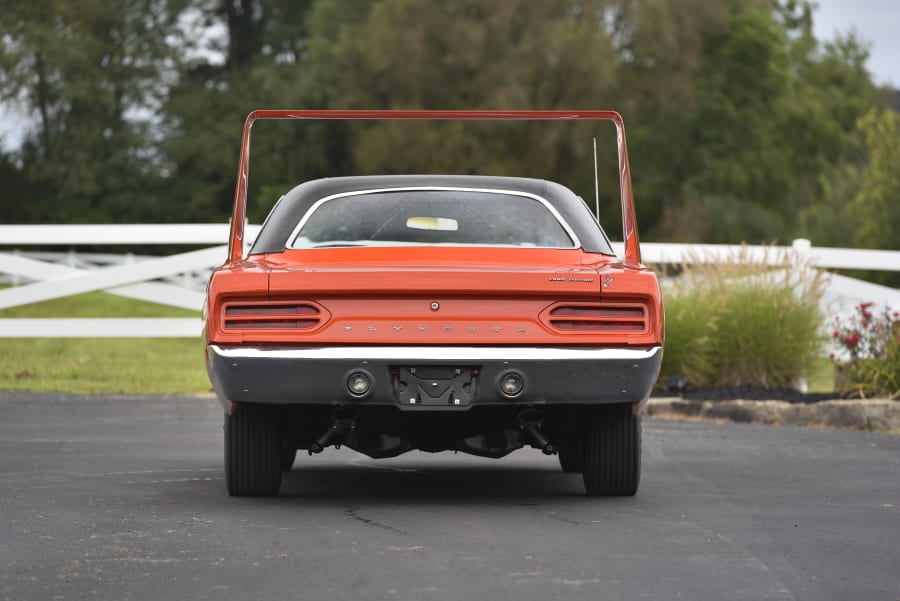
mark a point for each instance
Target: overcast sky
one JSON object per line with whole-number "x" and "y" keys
{"x": 876, "y": 22}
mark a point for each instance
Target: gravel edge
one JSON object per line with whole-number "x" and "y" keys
{"x": 869, "y": 414}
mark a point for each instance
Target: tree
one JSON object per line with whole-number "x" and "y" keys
{"x": 265, "y": 65}
{"x": 774, "y": 116}
{"x": 91, "y": 73}
{"x": 498, "y": 54}
{"x": 877, "y": 203}
{"x": 830, "y": 153}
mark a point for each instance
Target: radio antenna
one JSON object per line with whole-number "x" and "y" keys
{"x": 596, "y": 185}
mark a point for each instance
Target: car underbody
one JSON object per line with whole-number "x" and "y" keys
{"x": 602, "y": 442}
{"x": 384, "y": 431}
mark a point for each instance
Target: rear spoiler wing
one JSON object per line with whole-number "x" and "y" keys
{"x": 629, "y": 225}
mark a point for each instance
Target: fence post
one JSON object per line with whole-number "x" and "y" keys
{"x": 802, "y": 247}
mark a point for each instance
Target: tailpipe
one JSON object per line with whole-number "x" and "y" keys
{"x": 343, "y": 420}
{"x": 530, "y": 421}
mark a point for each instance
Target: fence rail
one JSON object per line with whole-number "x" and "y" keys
{"x": 178, "y": 280}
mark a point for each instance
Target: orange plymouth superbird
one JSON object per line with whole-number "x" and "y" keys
{"x": 436, "y": 313}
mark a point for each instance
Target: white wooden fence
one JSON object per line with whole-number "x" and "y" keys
{"x": 178, "y": 280}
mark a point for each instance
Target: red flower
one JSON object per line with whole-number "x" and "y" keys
{"x": 865, "y": 305}
{"x": 866, "y": 315}
{"x": 865, "y": 325}
{"x": 851, "y": 340}
{"x": 836, "y": 334}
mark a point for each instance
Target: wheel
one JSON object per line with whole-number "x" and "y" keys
{"x": 612, "y": 451}
{"x": 288, "y": 454}
{"x": 571, "y": 460}
{"x": 253, "y": 452}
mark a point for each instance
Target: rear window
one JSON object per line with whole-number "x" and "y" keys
{"x": 428, "y": 217}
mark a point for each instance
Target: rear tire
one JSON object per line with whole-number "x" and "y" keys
{"x": 571, "y": 459}
{"x": 612, "y": 451}
{"x": 253, "y": 452}
{"x": 288, "y": 455}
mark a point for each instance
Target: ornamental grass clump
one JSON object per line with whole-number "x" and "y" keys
{"x": 742, "y": 322}
{"x": 870, "y": 339}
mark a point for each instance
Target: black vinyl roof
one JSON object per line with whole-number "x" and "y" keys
{"x": 280, "y": 224}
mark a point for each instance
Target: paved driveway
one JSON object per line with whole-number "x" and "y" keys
{"x": 123, "y": 498}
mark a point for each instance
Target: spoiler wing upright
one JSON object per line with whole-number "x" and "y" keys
{"x": 629, "y": 225}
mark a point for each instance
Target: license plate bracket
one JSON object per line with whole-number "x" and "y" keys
{"x": 434, "y": 385}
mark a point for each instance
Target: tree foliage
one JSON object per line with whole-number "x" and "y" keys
{"x": 92, "y": 75}
{"x": 741, "y": 124}
{"x": 879, "y": 193}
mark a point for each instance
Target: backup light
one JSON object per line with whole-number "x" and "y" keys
{"x": 511, "y": 384}
{"x": 358, "y": 384}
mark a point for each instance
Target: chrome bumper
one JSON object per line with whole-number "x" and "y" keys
{"x": 319, "y": 375}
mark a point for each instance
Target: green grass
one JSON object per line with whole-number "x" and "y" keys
{"x": 96, "y": 304}
{"x": 101, "y": 365}
{"x": 821, "y": 376}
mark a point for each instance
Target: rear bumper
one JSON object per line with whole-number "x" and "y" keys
{"x": 319, "y": 375}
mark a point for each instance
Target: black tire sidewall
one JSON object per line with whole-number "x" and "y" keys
{"x": 611, "y": 448}
{"x": 253, "y": 452}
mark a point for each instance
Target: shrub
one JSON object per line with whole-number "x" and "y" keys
{"x": 871, "y": 340}
{"x": 743, "y": 323}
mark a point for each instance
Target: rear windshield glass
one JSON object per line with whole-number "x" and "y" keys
{"x": 425, "y": 217}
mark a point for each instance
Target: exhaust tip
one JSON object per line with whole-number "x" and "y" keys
{"x": 531, "y": 421}
{"x": 345, "y": 413}
{"x": 532, "y": 417}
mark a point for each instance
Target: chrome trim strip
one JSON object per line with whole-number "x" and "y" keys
{"x": 464, "y": 354}
{"x": 569, "y": 231}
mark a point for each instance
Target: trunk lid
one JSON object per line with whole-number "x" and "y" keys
{"x": 429, "y": 270}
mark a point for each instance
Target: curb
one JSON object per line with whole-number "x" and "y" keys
{"x": 867, "y": 414}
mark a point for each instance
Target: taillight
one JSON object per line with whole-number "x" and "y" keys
{"x": 283, "y": 315}
{"x": 270, "y": 310}
{"x": 591, "y": 317}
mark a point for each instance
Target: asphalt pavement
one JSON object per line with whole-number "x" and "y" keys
{"x": 123, "y": 498}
